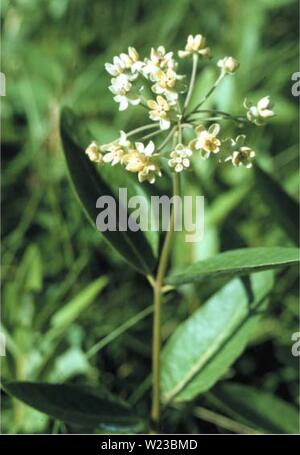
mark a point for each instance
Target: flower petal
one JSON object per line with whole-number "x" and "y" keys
{"x": 149, "y": 149}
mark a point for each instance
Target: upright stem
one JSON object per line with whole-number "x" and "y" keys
{"x": 192, "y": 82}
{"x": 157, "y": 289}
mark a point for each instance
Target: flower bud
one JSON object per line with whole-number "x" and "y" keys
{"x": 228, "y": 64}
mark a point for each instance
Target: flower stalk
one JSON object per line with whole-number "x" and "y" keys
{"x": 192, "y": 82}
{"x": 157, "y": 301}
{"x": 209, "y": 93}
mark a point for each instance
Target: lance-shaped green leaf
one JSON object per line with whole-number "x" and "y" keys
{"x": 258, "y": 409}
{"x": 203, "y": 347}
{"x": 283, "y": 208}
{"x": 89, "y": 185}
{"x": 77, "y": 405}
{"x": 236, "y": 262}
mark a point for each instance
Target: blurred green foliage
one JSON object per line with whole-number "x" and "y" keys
{"x": 64, "y": 288}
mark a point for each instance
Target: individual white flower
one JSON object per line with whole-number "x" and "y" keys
{"x": 93, "y": 152}
{"x": 171, "y": 97}
{"x": 164, "y": 81}
{"x": 229, "y": 65}
{"x": 132, "y": 60}
{"x": 159, "y": 112}
{"x": 159, "y": 60}
{"x": 207, "y": 141}
{"x": 120, "y": 87}
{"x": 261, "y": 112}
{"x": 165, "y": 84}
{"x": 136, "y": 159}
{"x": 114, "y": 154}
{"x": 139, "y": 160}
{"x": 180, "y": 158}
{"x": 116, "y": 150}
{"x": 264, "y": 107}
{"x": 241, "y": 155}
{"x": 116, "y": 68}
{"x": 195, "y": 45}
{"x": 149, "y": 173}
{"x": 125, "y": 62}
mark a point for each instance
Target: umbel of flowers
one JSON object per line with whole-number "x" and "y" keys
{"x": 167, "y": 109}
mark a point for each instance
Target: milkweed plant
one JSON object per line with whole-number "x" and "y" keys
{"x": 143, "y": 150}
{"x": 200, "y": 351}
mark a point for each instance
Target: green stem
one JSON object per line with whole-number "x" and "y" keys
{"x": 213, "y": 119}
{"x": 179, "y": 133}
{"x": 167, "y": 139}
{"x": 213, "y": 112}
{"x": 192, "y": 82}
{"x": 141, "y": 129}
{"x": 213, "y": 88}
{"x": 148, "y": 136}
{"x": 224, "y": 115}
{"x": 157, "y": 298}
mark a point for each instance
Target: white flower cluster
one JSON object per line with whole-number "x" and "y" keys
{"x": 206, "y": 142}
{"x": 131, "y": 75}
{"x": 180, "y": 158}
{"x": 143, "y": 160}
{"x": 136, "y": 157}
{"x": 124, "y": 69}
